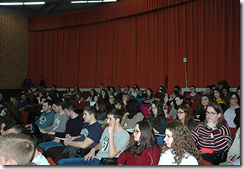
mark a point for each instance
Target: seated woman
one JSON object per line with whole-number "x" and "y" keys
{"x": 179, "y": 148}
{"x": 133, "y": 115}
{"x": 93, "y": 96}
{"x": 202, "y": 107}
{"x": 171, "y": 100}
{"x": 40, "y": 98}
{"x": 213, "y": 134}
{"x": 219, "y": 97}
{"x": 185, "y": 115}
{"x": 157, "y": 117}
{"x": 110, "y": 104}
{"x": 125, "y": 99}
{"x": 160, "y": 97}
{"x": 193, "y": 95}
{"x": 232, "y": 113}
{"x": 133, "y": 93}
{"x": 234, "y": 152}
{"x": 118, "y": 92}
{"x": 120, "y": 105}
{"x": 127, "y": 90}
{"x": 79, "y": 97}
{"x": 163, "y": 91}
{"x": 67, "y": 94}
{"x": 101, "y": 110}
{"x": 104, "y": 96}
{"x": 30, "y": 96}
{"x": 12, "y": 112}
{"x": 148, "y": 97}
{"x": 225, "y": 90}
{"x": 143, "y": 149}
{"x": 157, "y": 120}
{"x": 59, "y": 95}
{"x": 179, "y": 100}
{"x": 75, "y": 92}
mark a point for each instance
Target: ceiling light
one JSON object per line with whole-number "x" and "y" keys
{"x": 12, "y": 3}
{"x": 109, "y": 0}
{"x": 78, "y": 2}
{"x": 94, "y": 1}
{"x": 34, "y": 3}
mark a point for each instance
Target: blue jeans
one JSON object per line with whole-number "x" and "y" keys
{"x": 49, "y": 144}
{"x": 78, "y": 161}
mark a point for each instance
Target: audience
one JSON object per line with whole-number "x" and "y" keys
{"x": 143, "y": 149}
{"x": 101, "y": 110}
{"x": 235, "y": 150}
{"x": 179, "y": 148}
{"x": 202, "y": 107}
{"x": 133, "y": 115}
{"x": 185, "y": 115}
{"x": 163, "y": 91}
{"x": 53, "y": 91}
{"x": 120, "y": 105}
{"x": 112, "y": 143}
{"x": 30, "y": 96}
{"x": 212, "y": 135}
{"x": 86, "y": 139}
{"x": 93, "y": 96}
{"x": 232, "y": 112}
{"x": 2, "y": 100}
{"x": 40, "y": 98}
{"x": 193, "y": 95}
{"x": 16, "y": 149}
{"x": 73, "y": 127}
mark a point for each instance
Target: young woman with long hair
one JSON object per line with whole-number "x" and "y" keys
{"x": 202, "y": 107}
{"x": 148, "y": 96}
{"x": 157, "y": 117}
{"x": 127, "y": 89}
{"x": 179, "y": 100}
{"x": 93, "y": 96}
{"x": 213, "y": 134}
{"x": 120, "y": 105}
{"x": 133, "y": 115}
{"x": 101, "y": 110}
{"x": 104, "y": 96}
{"x": 185, "y": 115}
{"x": 143, "y": 149}
{"x": 179, "y": 148}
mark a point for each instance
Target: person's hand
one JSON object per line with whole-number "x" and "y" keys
{"x": 110, "y": 129}
{"x": 56, "y": 140}
{"x": 51, "y": 133}
{"x": 68, "y": 137}
{"x": 90, "y": 155}
{"x": 229, "y": 161}
{"x": 66, "y": 142}
{"x": 126, "y": 114}
{"x": 42, "y": 130}
{"x": 237, "y": 106}
{"x": 192, "y": 101}
{"x": 210, "y": 124}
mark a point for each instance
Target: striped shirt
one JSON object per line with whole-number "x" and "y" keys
{"x": 218, "y": 139}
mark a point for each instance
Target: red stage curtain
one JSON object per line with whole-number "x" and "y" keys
{"x": 138, "y": 41}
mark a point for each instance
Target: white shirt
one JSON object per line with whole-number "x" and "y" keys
{"x": 167, "y": 158}
{"x": 230, "y": 115}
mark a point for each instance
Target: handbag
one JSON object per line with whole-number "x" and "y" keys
{"x": 220, "y": 157}
{"x": 108, "y": 161}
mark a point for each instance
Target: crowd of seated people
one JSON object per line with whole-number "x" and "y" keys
{"x": 129, "y": 137}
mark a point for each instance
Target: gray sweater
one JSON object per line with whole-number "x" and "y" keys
{"x": 59, "y": 123}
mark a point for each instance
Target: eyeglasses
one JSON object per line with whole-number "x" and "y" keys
{"x": 180, "y": 112}
{"x": 211, "y": 113}
{"x": 233, "y": 98}
{"x": 137, "y": 131}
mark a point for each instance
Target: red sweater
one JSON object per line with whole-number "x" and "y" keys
{"x": 149, "y": 156}
{"x": 218, "y": 140}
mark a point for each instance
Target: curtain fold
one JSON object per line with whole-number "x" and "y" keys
{"x": 142, "y": 43}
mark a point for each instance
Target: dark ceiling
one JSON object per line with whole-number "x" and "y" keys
{"x": 50, "y": 7}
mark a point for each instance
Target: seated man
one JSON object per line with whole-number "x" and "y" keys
{"x": 73, "y": 127}
{"x": 23, "y": 102}
{"x": 47, "y": 117}
{"x": 88, "y": 138}
{"x": 60, "y": 119}
{"x": 14, "y": 100}
{"x": 112, "y": 143}
{"x": 38, "y": 158}
{"x": 16, "y": 149}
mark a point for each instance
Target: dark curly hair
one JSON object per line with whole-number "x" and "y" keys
{"x": 147, "y": 140}
{"x": 133, "y": 107}
{"x": 160, "y": 114}
{"x": 228, "y": 97}
{"x": 182, "y": 142}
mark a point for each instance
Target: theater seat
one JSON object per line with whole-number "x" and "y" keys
{"x": 76, "y": 102}
{"x": 83, "y": 104}
{"x": 204, "y": 162}
{"x": 40, "y": 149}
{"x": 168, "y": 120}
{"x": 169, "y": 108}
{"x": 24, "y": 115}
{"x": 233, "y": 130}
{"x": 85, "y": 94}
{"x": 51, "y": 162}
{"x": 195, "y": 104}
